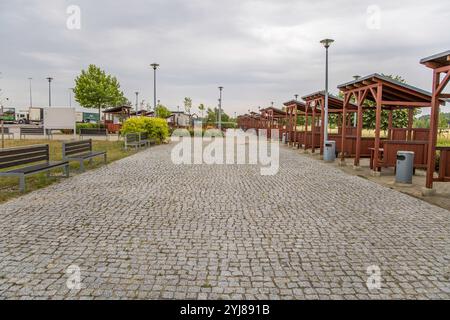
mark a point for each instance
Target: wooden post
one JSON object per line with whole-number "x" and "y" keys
{"x": 359, "y": 127}
{"x": 434, "y": 120}
{"x": 410, "y": 123}
{"x": 306, "y": 126}
{"x": 344, "y": 124}
{"x": 379, "y": 98}
{"x": 390, "y": 124}
{"x": 313, "y": 129}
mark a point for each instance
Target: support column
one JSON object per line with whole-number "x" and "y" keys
{"x": 390, "y": 124}
{"x": 313, "y": 130}
{"x": 359, "y": 127}
{"x": 434, "y": 120}
{"x": 344, "y": 127}
{"x": 378, "y": 127}
{"x": 410, "y": 124}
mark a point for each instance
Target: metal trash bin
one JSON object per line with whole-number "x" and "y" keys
{"x": 329, "y": 152}
{"x": 405, "y": 167}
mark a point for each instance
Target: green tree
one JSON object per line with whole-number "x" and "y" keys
{"x": 212, "y": 116}
{"x": 162, "y": 111}
{"x": 187, "y": 105}
{"x": 96, "y": 89}
{"x": 201, "y": 107}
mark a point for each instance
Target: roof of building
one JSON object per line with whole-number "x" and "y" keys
{"x": 439, "y": 59}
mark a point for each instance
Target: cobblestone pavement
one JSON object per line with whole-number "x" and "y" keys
{"x": 144, "y": 228}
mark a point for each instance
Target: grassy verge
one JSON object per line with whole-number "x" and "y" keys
{"x": 9, "y": 186}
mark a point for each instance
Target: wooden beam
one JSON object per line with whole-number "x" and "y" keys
{"x": 406, "y": 104}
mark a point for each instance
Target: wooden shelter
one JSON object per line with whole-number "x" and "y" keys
{"x": 114, "y": 117}
{"x": 387, "y": 94}
{"x": 316, "y": 101}
{"x": 440, "y": 64}
{"x": 293, "y": 109}
{"x": 273, "y": 119}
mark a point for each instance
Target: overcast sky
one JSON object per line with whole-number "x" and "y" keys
{"x": 260, "y": 51}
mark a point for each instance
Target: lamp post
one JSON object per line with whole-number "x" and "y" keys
{"x": 220, "y": 108}
{"x": 326, "y": 43}
{"x": 31, "y": 95}
{"x": 137, "y": 101}
{"x": 296, "y": 97}
{"x": 49, "y": 91}
{"x": 154, "y": 66}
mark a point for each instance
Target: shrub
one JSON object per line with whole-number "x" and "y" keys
{"x": 88, "y": 126}
{"x": 156, "y": 128}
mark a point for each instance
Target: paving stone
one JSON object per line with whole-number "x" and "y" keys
{"x": 144, "y": 228}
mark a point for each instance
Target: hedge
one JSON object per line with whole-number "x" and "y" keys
{"x": 156, "y": 128}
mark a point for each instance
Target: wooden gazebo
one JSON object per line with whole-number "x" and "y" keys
{"x": 293, "y": 109}
{"x": 273, "y": 118}
{"x": 390, "y": 95}
{"x": 440, "y": 63}
{"x": 316, "y": 101}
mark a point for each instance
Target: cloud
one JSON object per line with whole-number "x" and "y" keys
{"x": 260, "y": 51}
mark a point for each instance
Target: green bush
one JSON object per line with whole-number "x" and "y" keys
{"x": 88, "y": 126}
{"x": 156, "y": 128}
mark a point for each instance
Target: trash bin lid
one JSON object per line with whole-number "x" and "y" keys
{"x": 405, "y": 152}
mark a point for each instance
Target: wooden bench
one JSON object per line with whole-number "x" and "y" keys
{"x": 390, "y": 148}
{"x": 34, "y": 131}
{"x": 6, "y": 132}
{"x": 80, "y": 151}
{"x": 444, "y": 164}
{"x": 145, "y": 139}
{"x": 39, "y": 158}
{"x": 93, "y": 132}
{"x": 134, "y": 140}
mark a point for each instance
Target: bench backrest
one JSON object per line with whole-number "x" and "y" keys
{"x": 131, "y": 137}
{"x": 420, "y": 149}
{"x": 5, "y": 130}
{"x": 76, "y": 147}
{"x": 13, "y": 157}
{"x": 93, "y": 132}
{"x": 32, "y": 131}
{"x": 144, "y": 136}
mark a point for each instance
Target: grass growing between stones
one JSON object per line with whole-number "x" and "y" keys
{"x": 9, "y": 186}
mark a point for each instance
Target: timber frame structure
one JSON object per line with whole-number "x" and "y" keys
{"x": 272, "y": 119}
{"x": 316, "y": 101}
{"x": 387, "y": 94}
{"x": 293, "y": 108}
{"x": 440, "y": 64}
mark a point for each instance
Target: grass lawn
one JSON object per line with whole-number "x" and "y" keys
{"x": 9, "y": 186}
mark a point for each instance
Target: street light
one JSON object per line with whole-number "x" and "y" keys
{"x": 49, "y": 91}
{"x": 31, "y": 96}
{"x": 326, "y": 43}
{"x": 220, "y": 109}
{"x": 154, "y": 66}
{"x": 296, "y": 97}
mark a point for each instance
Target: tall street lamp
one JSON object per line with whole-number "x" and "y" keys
{"x": 31, "y": 95}
{"x": 154, "y": 66}
{"x": 326, "y": 43}
{"x": 220, "y": 108}
{"x": 296, "y": 97}
{"x": 49, "y": 91}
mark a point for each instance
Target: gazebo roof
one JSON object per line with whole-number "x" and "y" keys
{"x": 276, "y": 111}
{"x": 437, "y": 60}
{"x": 295, "y": 102}
{"x": 117, "y": 109}
{"x": 394, "y": 93}
{"x": 334, "y": 102}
